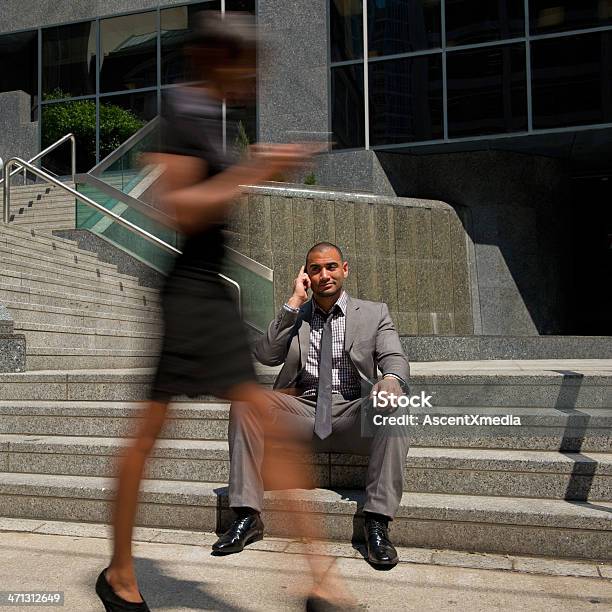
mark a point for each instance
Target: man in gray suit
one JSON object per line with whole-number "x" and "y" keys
{"x": 331, "y": 348}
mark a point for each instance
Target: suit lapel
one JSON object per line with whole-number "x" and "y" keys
{"x": 352, "y": 323}
{"x": 304, "y": 332}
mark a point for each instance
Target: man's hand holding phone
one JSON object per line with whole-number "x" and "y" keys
{"x": 301, "y": 285}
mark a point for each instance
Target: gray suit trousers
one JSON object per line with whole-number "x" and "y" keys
{"x": 293, "y": 419}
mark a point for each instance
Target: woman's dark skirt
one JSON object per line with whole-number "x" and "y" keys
{"x": 205, "y": 349}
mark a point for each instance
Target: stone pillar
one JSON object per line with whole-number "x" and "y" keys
{"x": 12, "y": 345}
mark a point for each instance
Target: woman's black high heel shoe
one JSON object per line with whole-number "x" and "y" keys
{"x": 112, "y": 602}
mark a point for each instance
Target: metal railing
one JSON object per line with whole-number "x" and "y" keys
{"x": 44, "y": 152}
{"x": 14, "y": 161}
{"x": 111, "y": 158}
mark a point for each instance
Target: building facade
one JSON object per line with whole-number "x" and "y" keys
{"x": 501, "y": 109}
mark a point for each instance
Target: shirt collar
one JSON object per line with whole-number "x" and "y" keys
{"x": 341, "y": 302}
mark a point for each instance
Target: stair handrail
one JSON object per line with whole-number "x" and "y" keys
{"x": 83, "y": 198}
{"x": 44, "y": 152}
{"x": 112, "y": 157}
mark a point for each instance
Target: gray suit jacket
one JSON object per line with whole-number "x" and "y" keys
{"x": 370, "y": 340}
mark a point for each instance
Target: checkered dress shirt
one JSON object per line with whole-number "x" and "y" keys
{"x": 345, "y": 378}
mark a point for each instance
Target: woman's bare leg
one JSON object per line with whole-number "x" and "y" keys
{"x": 283, "y": 474}
{"x": 120, "y": 574}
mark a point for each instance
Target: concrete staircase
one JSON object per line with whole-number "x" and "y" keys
{"x": 42, "y": 207}
{"x": 545, "y": 490}
{"x": 74, "y": 310}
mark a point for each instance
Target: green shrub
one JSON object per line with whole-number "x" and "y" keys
{"x": 117, "y": 124}
{"x": 242, "y": 141}
{"x": 311, "y": 179}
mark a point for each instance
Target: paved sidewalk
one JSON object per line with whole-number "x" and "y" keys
{"x": 181, "y": 575}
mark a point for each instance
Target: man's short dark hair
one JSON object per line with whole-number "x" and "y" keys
{"x": 322, "y": 246}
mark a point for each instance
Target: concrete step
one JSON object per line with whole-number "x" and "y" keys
{"x": 76, "y": 317}
{"x": 80, "y": 287}
{"x": 41, "y": 209}
{"x": 588, "y": 388}
{"x": 62, "y": 358}
{"x": 588, "y": 385}
{"x": 43, "y": 403}
{"x": 60, "y": 336}
{"x": 39, "y": 187}
{"x": 59, "y": 298}
{"x": 69, "y": 272}
{"x": 540, "y": 474}
{"x": 61, "y": 223}
{"x": 478, "y": 523}
{"x": 45, "y": 243}
{"x": 38, "y": 202}
{"x": 66, "y": 261}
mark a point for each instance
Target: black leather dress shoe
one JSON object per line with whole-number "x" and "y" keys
{"x": 112, "y": 602}
{"x": 380, "y": 549}
{"x": 243, "y": 531}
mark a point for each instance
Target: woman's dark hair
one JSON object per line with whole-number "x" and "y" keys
{"x": 228, "y": 37}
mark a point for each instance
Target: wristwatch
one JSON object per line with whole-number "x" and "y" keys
{"x": 290, "y": 308}
{"x": 402, "y": 382}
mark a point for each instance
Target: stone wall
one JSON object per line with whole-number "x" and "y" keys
{"x": 412, "y": 254}
{"x": 19, "y": 135}
{"x": 518, "y": 209}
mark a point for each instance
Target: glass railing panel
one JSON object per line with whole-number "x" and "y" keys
{"x": 127, "y": 171}
{"x": 122, "y": 237}
{"x": 257, "y": 294}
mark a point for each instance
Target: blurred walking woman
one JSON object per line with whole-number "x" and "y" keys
{"x": 205, "y": 348}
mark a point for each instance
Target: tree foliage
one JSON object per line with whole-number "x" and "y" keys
{"x": 117, "y": 124}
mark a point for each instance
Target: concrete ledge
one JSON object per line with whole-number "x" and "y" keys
{"x": 295, "y": 190}
{"x": 469, "y": 348}
{"x": 500, "y": 525}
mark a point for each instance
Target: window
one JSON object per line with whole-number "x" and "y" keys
{"x": 240, "y": 5}
{"x": 59, "y": 118}
{"x": 406, "y": 99}
{"x": 129, "y": 52}
{"x": 558, "y": 15}
{"x": 175, "y": 26}
{"x": 19, "y": 62}
{"x": 347, "y": 109}
{"x": 346, "y": 28}
{"x": 121, "y": 116}
{"x": 69, "y": 60}
{"x": 487, "y": 90}
{"x": 572, "y": 80}
{"x": 474, "y": 21}
{"x": 398, "y": 26}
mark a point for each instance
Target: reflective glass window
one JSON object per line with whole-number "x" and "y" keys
{"x": 487, "y": 90}
{"x": 121, "y": 116}
{"x": 346, "y": 29}
{"x": 176, "y": 23}
{"x": 78, "y": 117}
{"x": 347, "y": 107}
{"x": 19, "y": 63}
{"x": 406, "y": 99}
{"x": 398, "y": 26}
{"x": 69, "y": 60}
{"x": 558, "y": 15}
{"x": 572, "y": 80}
{"x": 240, "y": 5}
{"x": 129, "y": 52}
{"x": 474, "y": 21}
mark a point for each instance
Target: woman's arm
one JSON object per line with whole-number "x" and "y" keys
{"x": 195, "y": 203}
